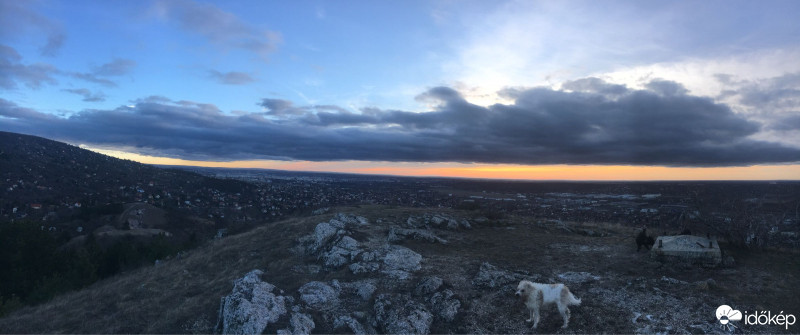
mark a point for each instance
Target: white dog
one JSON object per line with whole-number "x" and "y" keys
{"x": 536, "y": 295}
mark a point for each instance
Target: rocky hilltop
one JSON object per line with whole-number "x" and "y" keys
{"x": 380, "y": 269}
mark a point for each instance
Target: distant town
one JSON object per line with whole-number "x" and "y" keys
{"x": 89, "y": 185}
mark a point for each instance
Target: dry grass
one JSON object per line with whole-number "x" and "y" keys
{"x": 177, "y": 296}
{"x": 182, "y": 295}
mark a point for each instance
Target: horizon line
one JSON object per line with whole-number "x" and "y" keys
{"x": 484, "y": 171}
{"x": 474, "y": 178}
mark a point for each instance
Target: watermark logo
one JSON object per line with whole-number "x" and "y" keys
{"x": 726, "y": 314}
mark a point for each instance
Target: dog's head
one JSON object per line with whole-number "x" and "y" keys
{"x": 524, "y": 289}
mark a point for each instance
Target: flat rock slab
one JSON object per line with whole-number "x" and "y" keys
{"x": 688, "y": 248}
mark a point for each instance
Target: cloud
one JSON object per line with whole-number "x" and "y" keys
{"x": 279, "y": 108}
{"x": 13, "y": 71}
{"x": 231, "y": 78}
{"x": 787, "y": 123}
{"x": 54, "y": 42}
{"x": 659, "y": 126}
{"x": 117, "y": 67}
{"x": 594, "y": 85}
{"x": 17, "y": 20}
{"x": 92, "y": 78}
{"x": 774, "y": 101}
{"x": 666, "y": 87}
{"x": 218, "y": 26}
{"x": 87, "y": 95}
{"x": 99, "y": 74}
{"x": 12, "y": 114}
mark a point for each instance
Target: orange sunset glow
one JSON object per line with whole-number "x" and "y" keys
{"x": 493, "y": 171}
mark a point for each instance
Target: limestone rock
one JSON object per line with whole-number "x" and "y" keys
{"x": 300, "y": 324}
{"x": 319, "y": 295}
{"x": 400, "y": 261}
{"x": 438, "y": 220}
{"x": 445, "y": 305}
{"x": 399, "y": 234}
{"x": 348, "y": 322}
{"x": 364, "y": 267}
{"x": 341, "y": 252}
{"x": 323, "y": 233}
{"x": 330, "y": 241}
{"x": 251, "y": 306}
{"x": 428, "y": 285}
{"x": 361, "y": 288}
{"x": 398, "y": 314}
{"x": 489, "y": 276}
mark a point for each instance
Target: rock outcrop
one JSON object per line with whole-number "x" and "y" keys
{"x": 399, "y": 234}
{"x": 300, "y": 324}
{"x": 400, "y": 261}
{"x": 332, "y": 243}
{"x": 319, "y": 296}
{"x": 251, "y": 306}
{"x": 445, "y": 305}
{"x": 349, "y": 324}
{"x": 428, "y": 285}
{"x": 399, "y": 314}
{"x": 437, "y": 220}
{"x": 489, "y": 276}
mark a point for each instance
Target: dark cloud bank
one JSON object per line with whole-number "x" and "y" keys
{"x": 589, "y": 122}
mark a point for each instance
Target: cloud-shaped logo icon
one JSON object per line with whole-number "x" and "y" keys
{"x": 726, "y": 314}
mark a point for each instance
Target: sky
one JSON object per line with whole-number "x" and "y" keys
{"x": 575, "y": 90}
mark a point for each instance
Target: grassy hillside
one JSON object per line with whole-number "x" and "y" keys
{"x": 623, "y": 291}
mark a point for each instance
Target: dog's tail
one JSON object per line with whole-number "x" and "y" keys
{"x": 573, "y": 300}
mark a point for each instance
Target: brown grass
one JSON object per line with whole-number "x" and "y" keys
{"x": 182, "y": 295}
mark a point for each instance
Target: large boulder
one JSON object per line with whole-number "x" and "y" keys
{"x": 349, "y": 324}
{"x": 360, "y": 288}
{"x": 398, "y": 314}
{"x": 251, "y": 306}
{"x": 344, "y": 250}
{"x": 489, "y": 276}
{"x": 323, "y": 233}
{"x": 319, "y": 296}
{"x": 330, "y": 242}
{"x": 300, "y": 324}
{"x": 400, "y": 261}
{"x": 428, "y": 285}
{"x": 445, "y": 305}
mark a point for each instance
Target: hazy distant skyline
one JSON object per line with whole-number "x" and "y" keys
{"x": 513, "y": 89}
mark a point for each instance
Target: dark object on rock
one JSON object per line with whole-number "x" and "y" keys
{"x": 728, "y": 262}
{"x": 644, "y": 240}
{"x": 686, "y": 232}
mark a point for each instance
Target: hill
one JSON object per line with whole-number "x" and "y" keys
{"x": 46, "y": 180}
{"x": 69, "y": 216}
{"x": 400, "y": 270}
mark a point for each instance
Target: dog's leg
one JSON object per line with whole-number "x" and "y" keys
{"x": 564, "y": 314}
{"x": 536, "y": 307}
{"x": 530, "y": 318}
